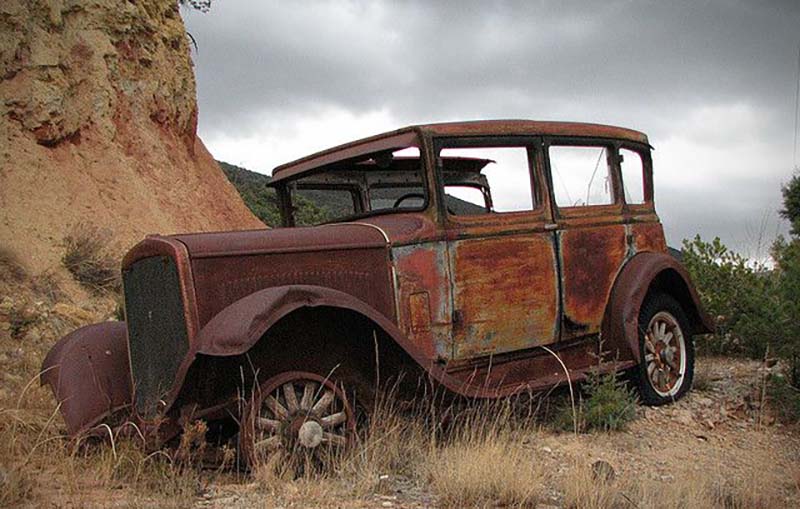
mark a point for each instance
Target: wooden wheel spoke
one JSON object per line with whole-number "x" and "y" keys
{"x": 324, "y": 403}
{"x": 333, "y": 439}
{"x": 308, "y": 395}
{"x": 290, "y": 397}
{"x": 276, "y": 408}
{"x": 271, "y": 443}
{"x": 265, "y": 424}
{"x": 333, "y": 420}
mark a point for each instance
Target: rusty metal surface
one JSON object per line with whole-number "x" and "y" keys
{"x": 505, "y": 293}
{"x": 363, "y": 273}
{"x": 621, "y": 324}
{"x": 281, "y": 240}
{"x": 407, "y": 136}
{"x": 89, "y": 374}
{"x": 590, "y": 260}
{"x": 423, "y": 295}
{"x": 399, "y": 139}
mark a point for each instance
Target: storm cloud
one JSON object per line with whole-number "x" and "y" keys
{"x": 712, "y": 83}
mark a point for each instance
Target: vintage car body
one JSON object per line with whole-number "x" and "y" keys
{"x": 481, "y": 304}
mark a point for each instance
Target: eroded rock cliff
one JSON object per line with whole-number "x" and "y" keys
{"x": 98, "y": 123}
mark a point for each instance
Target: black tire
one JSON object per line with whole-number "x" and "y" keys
{"x": 662, "y": 317}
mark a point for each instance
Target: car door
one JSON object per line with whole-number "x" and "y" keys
{"x": 502, "y": 259}
{"x": 591, "y": 236}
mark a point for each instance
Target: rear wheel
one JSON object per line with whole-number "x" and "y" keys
{"x": 297, "y": 413}
{"x": 666, "y": 365}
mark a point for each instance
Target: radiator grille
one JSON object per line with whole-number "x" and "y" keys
{"x": 157, "y": 336}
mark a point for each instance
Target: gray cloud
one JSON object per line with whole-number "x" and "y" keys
{"x": 684, "y": 72}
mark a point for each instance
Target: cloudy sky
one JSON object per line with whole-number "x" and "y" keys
{"x": 712, "y": 83}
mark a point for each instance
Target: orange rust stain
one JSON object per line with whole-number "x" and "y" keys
{"x": 591, "y": 258}
{"x": 649, "y": 237}
{"x": 423, "y": 294}
{"x": 505, "y": 293}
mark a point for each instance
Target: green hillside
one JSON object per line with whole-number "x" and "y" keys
{"x": 263, "y": 201}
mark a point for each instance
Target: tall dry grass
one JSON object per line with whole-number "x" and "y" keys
{"x": 89, "y": 256}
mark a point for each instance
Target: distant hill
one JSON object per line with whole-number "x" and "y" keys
{"x": 260, "y": 199}
{"x": 263, "y": 200}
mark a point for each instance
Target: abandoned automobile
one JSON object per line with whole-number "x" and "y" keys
{"x": 486, "y": 258}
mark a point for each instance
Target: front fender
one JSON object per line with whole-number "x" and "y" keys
{"x": 242, "y": 324}
{"x": 238, "y": 327}
{"x": 89, "y": 373}
{"x": 640, "y": 274}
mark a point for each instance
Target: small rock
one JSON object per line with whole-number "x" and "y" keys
{"x": 387, "y": 504}
{"x": 703, "y": 401}
{"x": 547, "y": 450}
{"x": 684, "y": 417}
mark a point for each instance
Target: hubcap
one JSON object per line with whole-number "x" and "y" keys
{"x": 665, "y": 355}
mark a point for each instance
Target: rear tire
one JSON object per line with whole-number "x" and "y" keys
{"x": 666, "y": 351}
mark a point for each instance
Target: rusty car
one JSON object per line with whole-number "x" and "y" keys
{"x": 487, "y": 257}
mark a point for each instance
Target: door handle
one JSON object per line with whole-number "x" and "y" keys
{"x": 551, "y": 226}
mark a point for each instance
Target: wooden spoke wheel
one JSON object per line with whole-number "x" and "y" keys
{"x": 295, "y": 412}
{"x": 666, "y": 366}
{"x": 665, "y": 349}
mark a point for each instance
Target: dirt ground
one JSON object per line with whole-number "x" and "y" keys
{"x": 716, "y": 433}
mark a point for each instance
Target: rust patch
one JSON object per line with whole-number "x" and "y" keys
{"x": 504, "y": 293}
{"x": 591, "y": 258}
{"x": 423, "y": 269}
{"x": 648, "y": 237}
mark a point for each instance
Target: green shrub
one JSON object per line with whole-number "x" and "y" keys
{"x": 607, "y": 403}
{"x": 783, "y": 399}
{"x": 742, "y": 298}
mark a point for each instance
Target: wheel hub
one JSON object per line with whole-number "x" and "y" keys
{"x": 296, "y": 410}
{"x": 310, "y": 434}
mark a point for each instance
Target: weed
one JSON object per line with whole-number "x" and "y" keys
{"x": 87, "y": 255}
{"x": 47, "y": 286}
{"x": 606, "y": 403}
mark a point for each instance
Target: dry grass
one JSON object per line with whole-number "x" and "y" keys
{"x": 486, "y": 473}
{"x": 89, "y": 258}
{"x": 10, "y": 267}
{"x": 689, "y": 489}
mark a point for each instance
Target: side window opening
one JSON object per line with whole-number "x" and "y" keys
{"x": 483, "y": 180}
{"x": 581, "y": 175}
{"x": 632, "y": 176}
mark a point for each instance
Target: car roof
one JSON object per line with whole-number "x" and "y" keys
{"x": 408, "y": 136}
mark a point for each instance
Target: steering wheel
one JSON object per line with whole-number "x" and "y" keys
{"x": 407, "y": 196}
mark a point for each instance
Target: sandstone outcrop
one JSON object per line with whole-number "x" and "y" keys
{"x": 98, "y": 123}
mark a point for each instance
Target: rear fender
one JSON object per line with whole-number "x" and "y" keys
{"x": 643, "y": 273}
{"x": 89, "y": 373}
